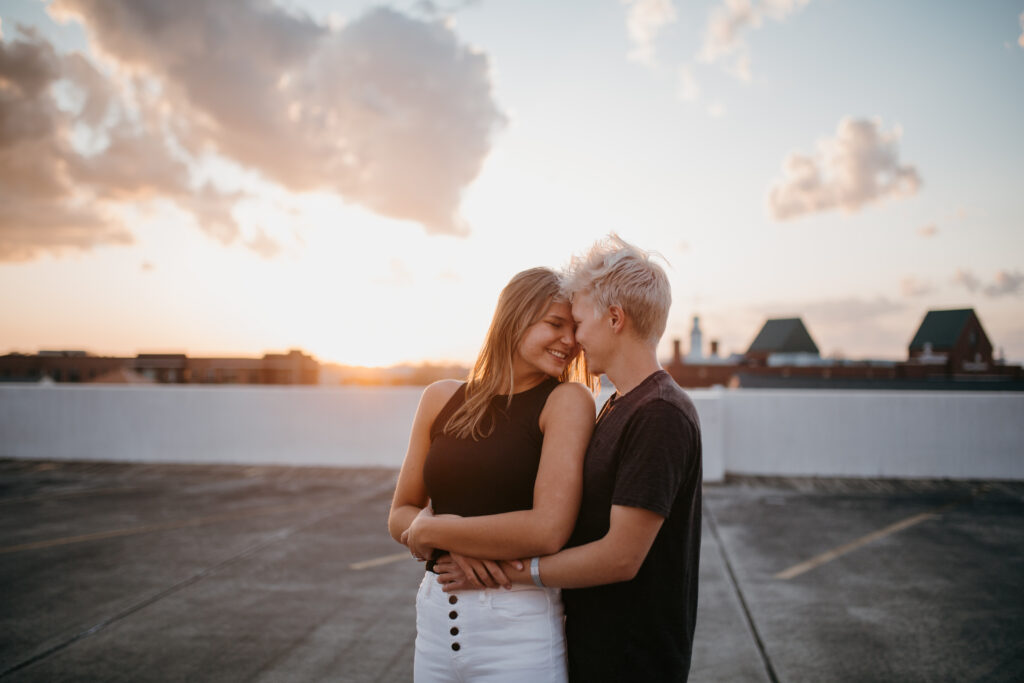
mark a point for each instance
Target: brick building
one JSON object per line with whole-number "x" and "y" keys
{"x": 294, "y": 367}
{"x": 950, "y": 351}
{"x": 950, "y": 343}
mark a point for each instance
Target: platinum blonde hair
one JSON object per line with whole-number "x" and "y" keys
{"x": 523, "y": 302}
{"x": 617, "y": 273}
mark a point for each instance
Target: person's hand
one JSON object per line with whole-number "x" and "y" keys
{"x": 450, "y": 575}
{"x": 458, "y": 572}
{"x": 420, "y": 551}
{"x": 517, "y": 571}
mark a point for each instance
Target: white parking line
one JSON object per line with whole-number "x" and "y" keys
{"x": 378, "y": 561}
{"x": 828, "y": 556}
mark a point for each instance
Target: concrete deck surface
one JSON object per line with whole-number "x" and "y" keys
{"x": 113, "y": 572}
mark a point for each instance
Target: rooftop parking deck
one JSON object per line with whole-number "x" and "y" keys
{"x": 119, "y": 572}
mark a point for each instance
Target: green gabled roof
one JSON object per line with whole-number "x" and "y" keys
{"x": 941, "y": 329}
{"x": 784, "y": 335}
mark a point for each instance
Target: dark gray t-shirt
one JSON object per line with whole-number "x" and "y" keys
{"x": 646, "y": 453}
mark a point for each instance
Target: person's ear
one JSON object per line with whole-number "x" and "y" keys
{"x": 616, "y": 318}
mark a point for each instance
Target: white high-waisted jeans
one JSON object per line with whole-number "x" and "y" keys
{"x": 493, "y": 635}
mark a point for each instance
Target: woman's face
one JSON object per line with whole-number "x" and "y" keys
{"x": 550, "y": 343}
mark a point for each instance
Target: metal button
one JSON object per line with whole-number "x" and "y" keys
{"x": 456, "y": 646}
{"x": 454, "y": 631}
{"x": 453, "y": 614}
{"x": 452, "y": 600}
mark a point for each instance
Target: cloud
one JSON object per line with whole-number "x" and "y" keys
{"x": 133, "y": 166}
{"x": 728, "y": 22}
{"x": 390, "y": 112}
{"x": 930, "y": 230}
{"x": 1005, "y": 283}
{"x": 846, "y": 312}
{"x": 213, "y": 209}
{"x": 1020, "y": 19}
{"x": 967, "y": 280}
{"x": 861, "y": 326}
{"x": 43, "y": 206}
{"x": 263, "y": 245}
{"x": 59, "y": 197}
{"x": 910, "y": 286}
{"x": 859, "y": 166}
{"x": 849, "y": 311}
{"x": 645, "y": 20}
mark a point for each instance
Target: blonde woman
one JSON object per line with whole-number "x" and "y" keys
{"x": 494, "y": 470}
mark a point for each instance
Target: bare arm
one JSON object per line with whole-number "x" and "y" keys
{"x": 621, "y": 551}
{"x": 411, "y": 493}
{"x": 617, "y": 556}
{"x": 567, "y": 421}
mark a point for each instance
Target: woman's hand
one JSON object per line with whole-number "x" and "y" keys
{"x": 450, "y": 575}
{"x": 409, "y": 537}
{"x": 458, "y": 572}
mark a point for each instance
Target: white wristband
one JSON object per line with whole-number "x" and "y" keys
{"x": 535, "y": 572}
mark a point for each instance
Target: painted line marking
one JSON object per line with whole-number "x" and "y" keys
{"x": 149, "y": 528}
{"x": 378, "y": 561}
{"x": 828, "y": 556}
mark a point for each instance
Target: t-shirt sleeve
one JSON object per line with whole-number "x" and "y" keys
{"x": 657, "y": 452}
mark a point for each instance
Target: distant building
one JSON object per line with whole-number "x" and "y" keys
{"x": 294, "y": 367}
{"x": 696, "y": 353}
{"x": 122, "y": 376}
{"x": 163, "y": 368}
{"x": 952, "y": 340}
{"x": 705, "y": 373}
{"x": 58, "y": 366}
{"x": 950, "y": 351}
{"x": 783, "y": 341}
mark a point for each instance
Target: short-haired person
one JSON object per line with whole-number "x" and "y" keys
{"x": 629, "y": 573}
{"x": 500, "y": 459}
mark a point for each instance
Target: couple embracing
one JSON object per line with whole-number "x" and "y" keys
{"x": 556, "y": 548}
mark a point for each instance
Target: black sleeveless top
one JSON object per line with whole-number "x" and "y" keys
{"x": 493, "y": 475}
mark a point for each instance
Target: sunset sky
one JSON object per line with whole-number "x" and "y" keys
{"x": 359, "y": 179}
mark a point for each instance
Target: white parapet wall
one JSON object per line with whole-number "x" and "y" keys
{"x": 711, "y": 410}
{"x": 913, "y": 434}
{"x": 964, "y": 435}
{"x": 340, "y": 426}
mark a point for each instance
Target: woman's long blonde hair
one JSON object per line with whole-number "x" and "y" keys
{"x": 523, "y": 302}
